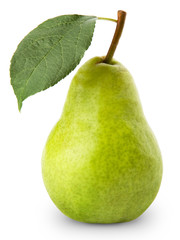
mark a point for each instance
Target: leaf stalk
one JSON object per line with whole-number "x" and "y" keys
{"x": 107, "y": 19}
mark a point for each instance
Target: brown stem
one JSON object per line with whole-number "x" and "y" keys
{"x": 117, "y": 35}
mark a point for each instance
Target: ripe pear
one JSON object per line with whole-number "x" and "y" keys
{"x": 101, "y": 162}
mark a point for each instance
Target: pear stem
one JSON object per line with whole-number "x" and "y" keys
{"x": 116, "y": 37}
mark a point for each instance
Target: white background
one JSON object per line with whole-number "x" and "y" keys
{"x": 150, "y": 49}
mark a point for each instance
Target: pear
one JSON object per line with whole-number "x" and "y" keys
{"x": 101, "y": 162}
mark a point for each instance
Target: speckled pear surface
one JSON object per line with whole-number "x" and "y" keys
{"x": 101, "y": 162}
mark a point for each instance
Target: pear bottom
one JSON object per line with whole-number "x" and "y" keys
{"x": 101, "y": 162}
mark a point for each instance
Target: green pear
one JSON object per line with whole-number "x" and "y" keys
{"x": 101, "y": 162}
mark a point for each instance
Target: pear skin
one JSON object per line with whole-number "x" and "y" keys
{"x": 101, "y": 162}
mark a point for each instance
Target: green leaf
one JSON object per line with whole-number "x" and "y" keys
{"x": 49, "y": 53}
